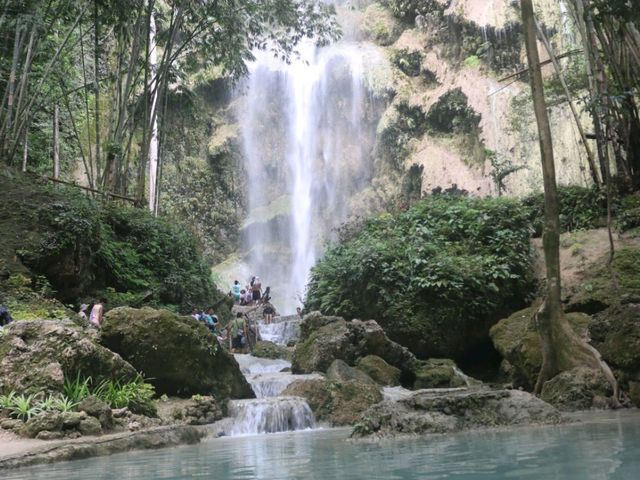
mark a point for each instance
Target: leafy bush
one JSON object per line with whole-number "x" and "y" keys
{"x": 23, "y": 407}
{"x": 434, "y": 276}
{"x": 629, "y": 213}
{"x": 409, "y": 62}
{"x": 580, "y": 209}
{"x": 77, "y": 389}
{"x": 136, "y": 395}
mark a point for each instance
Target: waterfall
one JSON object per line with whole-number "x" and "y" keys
{"x": 307, "y": 135}
{"x": 269, "y": 415}
{"x": 282, "y": 331}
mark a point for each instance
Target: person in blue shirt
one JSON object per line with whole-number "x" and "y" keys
{"x": 236, "y": 291}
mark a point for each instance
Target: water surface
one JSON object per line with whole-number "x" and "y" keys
{"x": 605, "y": 447}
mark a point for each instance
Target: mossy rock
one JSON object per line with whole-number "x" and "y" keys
{"x": 178, "y": 354}
{"x": 264, "y": 349}
{"x": 339, "y": 403}
{"x": 38, "y": 355}
{"x": 380, "y": 26}
{"x": 518, "y": 342}
{"x": 379, "y": 370}
{"x": 596, "y": 291}
{"x": 577, "y": 389}
{"x": 438, "y": 373}
{"x": 339, "y": 371}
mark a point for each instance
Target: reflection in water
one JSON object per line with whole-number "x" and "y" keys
{"x": 606, "y": 449}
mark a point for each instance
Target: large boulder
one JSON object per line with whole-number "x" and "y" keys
{"x": 177, "y": 354}
{"x": 442, "y": 412}
{"x": 38, "y": 355}
{"x": 325, "y": 339}
{"x": 339, "y": 403}
{"x": 379, "y": 370}
{"x": 517, "y": 340}
{"x": 438, "y": 373}
{"x": 578, "y": 389}
{"x": 339, "y": 371}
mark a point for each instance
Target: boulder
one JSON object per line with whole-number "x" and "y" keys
{"x": 379, "y": 370}
{"x": 326, "y": 339}
{"x": 200, "y": 411}
{"x": 339, "y": 403}
{"x": 577, "y": 389}
{"x": 615, "y": 332}
{"x": 341, "y": 372}
{"x": 177, "y": 353}
{"x": 264, "y": 349}
{"x": 38, "y": 355}
{"x": 518, "y": 342}
{"x": 435, "y": 412}
{"x": 90, "y": 426}
{"x": 96, "y": 408}
{"x": 438, "y": 373}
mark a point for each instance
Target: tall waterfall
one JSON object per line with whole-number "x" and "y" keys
{"x": 307, "y": 132}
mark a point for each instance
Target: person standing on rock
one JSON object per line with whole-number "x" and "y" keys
{"x": 236, "y": 291}
{"x": 82, "y": 312}
{"x": 238, "y": 329}
{"x": 95, "y": 317}
{"x": 256, "y": 288}
{"x": 248, "y": 299}
{"x": 5, "y": 317}
{"x": 268, "y": 313}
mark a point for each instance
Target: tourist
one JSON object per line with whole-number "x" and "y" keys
{"x": 266, "y": 296}
{"x": 248, "y": 299}
{"x": 236, "y": 291}
{"x": 5, "y": 316}
{"x": 82, "y": 312}
{"x": 206, "y": 319}
{"x": 243, "y": 297}
{"x": 95, "y": 317}
{"x": 238, "y": 329}
{"x": 268, "y": 313}
{"x": 195, "y": 314}
{"x": 256, "y": 289}
{"x": 299, "y": 312}
{"x": 211, "y": 320}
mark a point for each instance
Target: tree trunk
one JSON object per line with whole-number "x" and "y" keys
{"x": 56, "y": 141}
{"x": 562, "y": 348}
{"x": 25, "y": 151}
{"x": 153, "y": 141}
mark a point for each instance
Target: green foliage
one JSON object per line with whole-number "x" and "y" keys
{"x": 629, "y": 213}
{"x": 409, "y": 123}
{"x": 7, "y": 400}
{"x": 448, "y": 261}
{"x": 452, "y": 114}
{"x": 77, "y": 389}
{"x": 23, "y": 407}
{"x": 408, "y": 61}
{"x": 48, "y": 403}
{"x": 64, "y": 404}
{"x": 580, "y": 209}
{"x": 472, "y": 61}
{"x": 136, "y": 395}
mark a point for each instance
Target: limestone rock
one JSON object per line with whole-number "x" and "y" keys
{"x": 517, "y": 341}
{"x": 11, "y": 424}
{"x": 201, "y": 411}
{"x": 178, "y": 354}
{"x": 90, "y": 426}
{"x": 49, "y": 421}
{"x": 95, "y": 407}
{"x": 379, "y": 370}
{"x": 36, "y": 356}
{"x": 340, "y": 403}
{"x": 577, "y": 389}
{"x": 339, "y": 371}
{"x": 438, "y": 373}
{"x": 326, "y": 339}
{"x": 264, "y": 349}
{"x": 46, "y": 435}
{"x": 434, "y": 412}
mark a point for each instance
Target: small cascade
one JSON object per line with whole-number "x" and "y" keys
{"x": 269, "y": 415}
{"x": 282, "y": 331}
{"x": 395, "y": 394}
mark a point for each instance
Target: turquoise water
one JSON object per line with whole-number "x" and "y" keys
{"x": 605, "y": 448}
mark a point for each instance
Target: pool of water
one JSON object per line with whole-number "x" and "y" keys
{"x": 604, "y": 447}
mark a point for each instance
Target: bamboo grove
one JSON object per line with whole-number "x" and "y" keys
{"x": 90, "y": 80}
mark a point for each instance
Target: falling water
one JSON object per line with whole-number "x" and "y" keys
{"x": 307, "y": 138}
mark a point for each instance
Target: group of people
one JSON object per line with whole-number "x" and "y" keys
{"x": 208, "y": 317}
{"x": 252, "y": 294}
{"x": 96, "y": 312}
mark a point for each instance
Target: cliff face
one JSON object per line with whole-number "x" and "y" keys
{"x": 419, "y": 95}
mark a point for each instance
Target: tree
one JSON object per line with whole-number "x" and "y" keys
{"x": 562, "y": 348}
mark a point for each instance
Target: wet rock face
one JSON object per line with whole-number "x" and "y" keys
{"x": 325, "y": 339}
{"x": 339, "y": 403}
{"x": 178, "y": 354}
{"x": 438, "y": 373}
{"x": 435, "y": 412}
{"x": 577, "y": 389}
{"x": 38, "y": 355}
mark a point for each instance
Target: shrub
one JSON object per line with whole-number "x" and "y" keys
{"x": 136, "y": 395}
{"x": 580, "y": 209}
{"x": 434, "y": 276}
{"x": 629, "y": 212}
